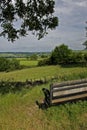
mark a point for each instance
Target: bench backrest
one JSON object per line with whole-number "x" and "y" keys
{"x": 68, "y": 91}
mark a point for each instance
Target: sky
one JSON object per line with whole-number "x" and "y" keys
{"x": 72, "y": 15}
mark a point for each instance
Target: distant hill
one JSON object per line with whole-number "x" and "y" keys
{"x": 20, "y": 54}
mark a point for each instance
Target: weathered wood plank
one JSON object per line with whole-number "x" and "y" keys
{"x": 68, "y": 91}
{"x": 67, "y": 83}
{"x": 69, "y": 87}
{"x": 82, "y": 96}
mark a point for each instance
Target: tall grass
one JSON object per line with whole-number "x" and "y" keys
{"x": 19, "y": 112}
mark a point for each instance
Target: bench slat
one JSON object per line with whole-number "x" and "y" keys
{"x": 55, "y": 85}
{"x": 71, "y": 98}
{"x": 69, "y": 87}
{"x": 68, "y": 91}
{"x": 68, "y": 95}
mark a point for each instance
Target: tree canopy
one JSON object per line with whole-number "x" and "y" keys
{"x": 85, "y": 44}
{"x": 18, "y": 17}
{"x": 61, "y": 54}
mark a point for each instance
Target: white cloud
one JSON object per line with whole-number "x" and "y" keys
{"x": 68, "y": 6}
{"x": 79, "y": 3}
{"x": 82, "y": 3}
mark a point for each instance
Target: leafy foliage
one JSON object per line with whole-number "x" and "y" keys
{"x": 18, "y": 17}
{"x": 65, "y": 56}
{"x": 34, "y": 57}
{"x": 85, "y": 44}
{"x": 60, "y": 54}
{"x": 77, "y": 57}
{"x": 44, "y": 62}
{"x": 8, "y": 65}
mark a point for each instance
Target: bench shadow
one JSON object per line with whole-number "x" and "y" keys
{"x": 42, "y": 105}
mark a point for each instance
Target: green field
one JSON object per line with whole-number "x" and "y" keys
{"x": 18, "y": 111}
{"x": 29, "y": 63}
{"x": 63, "y": 73}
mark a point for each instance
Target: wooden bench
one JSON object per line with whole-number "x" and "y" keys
{"x": 68, "y": 91}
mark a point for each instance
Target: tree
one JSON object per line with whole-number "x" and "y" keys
{"x": 33, "y": 15}
{"x": 86, "y": 29}
{"x": 9, "y": 64}
{"x": 33, "y": 57}
{"x": 60, "y": 54}
{"x": 77, "y": 57}
{"x": 4, "y": 64}
{"x": 85, "y": 44}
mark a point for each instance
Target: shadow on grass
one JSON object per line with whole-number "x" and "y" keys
{"x": 7, "y": 86}
{"x": 74, "y": 65}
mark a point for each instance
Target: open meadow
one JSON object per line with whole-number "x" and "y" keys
{"x": 62, "y": 73}
{"x": 27, "y": 63}
{"x": 18, "y": 111}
